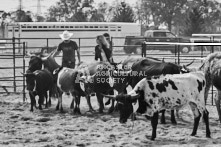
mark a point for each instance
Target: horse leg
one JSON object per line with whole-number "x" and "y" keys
{"x": 217, "y": 101}
{"x": 208, "y": 85}
{"x": 206, "y": 120}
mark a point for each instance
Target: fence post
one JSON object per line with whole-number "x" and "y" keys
{"x": 79, "y": 42}
{"x": 143, "y": 54}
{"x": 212, "y": 50}
{"x": 47, "y": 46}
{"x": 14, "y": 83}
{"x": 178, "y": 52}
{"x": 111, "y": 44}
{"x": 24, "y": 96}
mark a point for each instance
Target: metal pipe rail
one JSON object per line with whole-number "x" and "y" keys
{"x": 179, "y": 43}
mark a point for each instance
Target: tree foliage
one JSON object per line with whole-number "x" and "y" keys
{"x": 173, "y": 13}
{"x": 68, "y": 10}
{"x": 164, "y": 11}
{"x": 22, "y": 16}
{"x": 194, "y": 22}
{"x": 74, "y": 11}
{"x": 123, "y": 13}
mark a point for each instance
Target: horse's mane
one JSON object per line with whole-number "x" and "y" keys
{"x": 212, "y": 56}
{"x": 210, "y": 60}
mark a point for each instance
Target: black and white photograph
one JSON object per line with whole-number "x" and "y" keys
{"x": 110, "y": 73}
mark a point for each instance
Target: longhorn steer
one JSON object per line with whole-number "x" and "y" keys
{"x": 68, "y": 81}
{"x": 167, "y": 92}
{"x": 38, "y": 83}
{"x": 49, "y": 63}
{"x": 149, "y": 67}
{"x": 97, "y": 74}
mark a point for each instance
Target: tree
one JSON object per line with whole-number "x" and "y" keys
{"x": 3, "y": 23}
{"x": 22, "y": 16}
{"x": 211, "y": 16}
{"x": 79, "y": 16}
{"x": 69, "y": 10}
{"x": 106, "y": 10}
{"x": 202, "y": 17}
{"x": 165, "y": 11}
{"x": 194, "y": 22}
{"x": 96, "y": 16}
{"x": 123, "y": 13}
{"x": 40, "y": 18}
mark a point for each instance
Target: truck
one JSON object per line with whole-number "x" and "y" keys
{"x": 133, "y": 43}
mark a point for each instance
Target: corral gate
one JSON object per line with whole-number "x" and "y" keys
{"x": 12, "y": 62}
{"x": 12, "y": 65}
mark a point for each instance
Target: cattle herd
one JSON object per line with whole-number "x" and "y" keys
{"x": 156, "y": 86}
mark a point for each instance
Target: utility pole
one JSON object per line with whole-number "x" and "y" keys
{"x": 38, "y": 7}
{"x": 38, "y": 12}
{"x": 20, "y": 7}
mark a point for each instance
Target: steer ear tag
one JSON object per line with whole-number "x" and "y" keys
{"x": 135, "y": 106}
{"x": 82, "y": 86}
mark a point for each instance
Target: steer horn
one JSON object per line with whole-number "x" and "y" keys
{"x": 109, "y": 96}
{"x": 44, "y": 58}
{"x": 189, "y": 63}
{"x": 200, "y": 68}
{"x": 23, "y": 73}
{"x": 134, "y": 97}
{"x": 28, "y": 54}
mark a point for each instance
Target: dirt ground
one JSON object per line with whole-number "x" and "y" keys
{"x": 49, "y": 128}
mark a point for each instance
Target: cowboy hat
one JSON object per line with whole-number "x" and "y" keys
{"x": 65, "y": 35}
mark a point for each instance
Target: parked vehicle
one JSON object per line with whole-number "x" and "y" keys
{"x": 133, "y": 43}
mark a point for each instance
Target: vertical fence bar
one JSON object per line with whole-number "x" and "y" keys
{"x": 212, "y": 50}
{"x": 143, "y": 53}
{"x": 47, "y": 46}
{"x": 201, "y": 52}
{"x": 178, "y": 52}
{"x": 79, "y": 43}
{"x": 24, "y": 96}
{"x": 14, "y": 78}
{"x": 111, "y": 44}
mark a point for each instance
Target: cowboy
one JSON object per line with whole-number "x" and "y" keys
{"x": 68, "y": 47}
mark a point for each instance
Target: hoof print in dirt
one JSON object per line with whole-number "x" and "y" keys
{"x": 26, "y": 118}
{"x": 43, "y": 119}
{"x": 14, "y": 116}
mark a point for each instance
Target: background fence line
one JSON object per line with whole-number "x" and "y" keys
{"x": 12, "y": 58}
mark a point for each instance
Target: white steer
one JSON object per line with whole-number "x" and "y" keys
{"x": 167, "y": 92}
